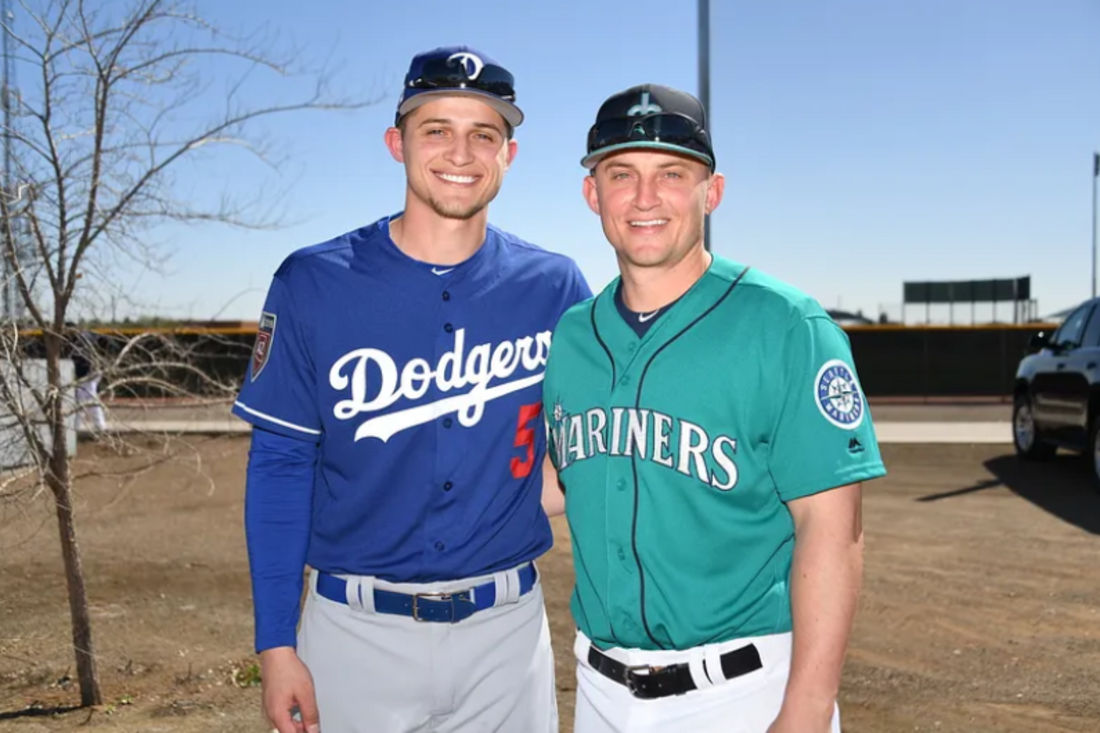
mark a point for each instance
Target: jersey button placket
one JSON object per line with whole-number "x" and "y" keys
{"x": 447, "y": 312}
{"x": 621, "y": 568}
{"x": 623, "y": 586}
{"x": 449, "y": 443}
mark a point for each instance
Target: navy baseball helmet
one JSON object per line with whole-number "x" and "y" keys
{"x": 453, "y": 70}
{"x": 650, "y": 116}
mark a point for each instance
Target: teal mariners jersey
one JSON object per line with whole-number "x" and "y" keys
{"x": 679, "y": 450}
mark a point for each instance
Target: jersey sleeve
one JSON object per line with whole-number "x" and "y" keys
{"x": 277, "y": 512}
{"x": 824, "y": 436}
{"x": 279, "y": 385}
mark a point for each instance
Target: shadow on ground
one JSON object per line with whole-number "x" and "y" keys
{"x": 35, "y": 711}
{"x": 1063, "y": 487}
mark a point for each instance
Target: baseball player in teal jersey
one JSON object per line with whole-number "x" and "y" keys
{"x": 711, "y": 438}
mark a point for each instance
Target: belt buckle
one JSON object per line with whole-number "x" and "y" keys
{"x": 628, "y": 678}
{"x": 436, "y": 596}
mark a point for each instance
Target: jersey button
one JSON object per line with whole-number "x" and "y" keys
{"x": 446, "y": 295}
{"x": 440, "y": 546}
{"x": 448, "y": 486}
{"x": 624, "y": 381}
{"x": 631, "y": 346}
{"x": 622, "y": 555}
{"x": 448, "y": 327}
{"x": 621, "y": 484}
{"x": 447, "y": 422}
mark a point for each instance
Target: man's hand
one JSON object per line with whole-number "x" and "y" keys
{"x": 288, "y": 684}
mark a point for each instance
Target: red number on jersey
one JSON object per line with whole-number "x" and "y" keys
{"x": 525, "y": 438}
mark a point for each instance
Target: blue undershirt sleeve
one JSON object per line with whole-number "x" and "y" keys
{"x": 277, "y": 512}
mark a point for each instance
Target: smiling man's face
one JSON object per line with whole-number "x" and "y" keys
{"x": 652, "y": 204}
{"x": 456, "y": 152}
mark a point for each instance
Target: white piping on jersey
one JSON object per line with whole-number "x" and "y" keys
{"x": 275, "y": 420}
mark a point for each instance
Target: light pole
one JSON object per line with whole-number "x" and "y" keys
{"x": 704, "y": 87}
{"x": 1095, "y": 173}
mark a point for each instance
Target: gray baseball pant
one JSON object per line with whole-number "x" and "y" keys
{"x": 381, "y": 673}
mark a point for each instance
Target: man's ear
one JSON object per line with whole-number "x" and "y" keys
{"x": 715, "y": 190}
{"x": 395, "y": 143}
{"x": 513, "y": 149}
{"x": 591, "y": 194}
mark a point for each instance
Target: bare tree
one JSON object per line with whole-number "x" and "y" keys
{"x": 106, "y": 112}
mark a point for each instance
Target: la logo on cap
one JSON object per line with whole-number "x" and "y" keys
{"x": 644, "y": 107}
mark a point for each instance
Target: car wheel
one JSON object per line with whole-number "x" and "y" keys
{"x": 1094, "y": 452}
{"x": 1025, "y": 434}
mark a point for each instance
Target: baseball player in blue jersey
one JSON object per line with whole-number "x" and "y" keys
{"x": 395, "y": 393}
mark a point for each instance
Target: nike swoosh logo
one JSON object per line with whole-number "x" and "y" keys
{"x": 441, "y": 272}
{"x": 643, "y": 317}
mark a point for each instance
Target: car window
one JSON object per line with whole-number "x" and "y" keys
{"x": 1068, "y": 335}
{"x": 1091, "y": 339}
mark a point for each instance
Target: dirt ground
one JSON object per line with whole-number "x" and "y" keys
{"x": 981, "y": 609}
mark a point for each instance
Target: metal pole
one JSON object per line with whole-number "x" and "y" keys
{"x": 8, "y": 188}
{"x": 704, "y": 85}
{"x": 1095, "y": 172}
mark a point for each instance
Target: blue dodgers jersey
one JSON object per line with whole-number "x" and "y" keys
{"x": 422, "y": 386}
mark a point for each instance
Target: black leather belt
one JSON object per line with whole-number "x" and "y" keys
{"x": 648, "y": 683}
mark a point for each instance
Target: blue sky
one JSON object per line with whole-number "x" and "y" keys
{"x": 864, "y": 142}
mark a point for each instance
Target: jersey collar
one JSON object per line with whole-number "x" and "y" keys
{"x": 377, "y": 253}
{"x": 706, "y": 291}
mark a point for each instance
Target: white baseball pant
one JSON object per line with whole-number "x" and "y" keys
{"x": 745, "y": 704}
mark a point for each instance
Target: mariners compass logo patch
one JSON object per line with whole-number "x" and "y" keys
{"x": 262, "y": 349}
{"x": 837, "y": 394}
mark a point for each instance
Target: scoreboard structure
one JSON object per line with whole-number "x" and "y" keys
{"x": 1016, "y": 291}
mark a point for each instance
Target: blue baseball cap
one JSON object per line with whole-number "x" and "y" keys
{"x": 451, "y": 70}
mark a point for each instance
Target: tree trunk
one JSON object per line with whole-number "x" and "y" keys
{"x": 59, "y": 480}
{"x": 86, "y": 670}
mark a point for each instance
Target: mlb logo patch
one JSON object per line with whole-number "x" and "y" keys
{"x": 264, "y": 338}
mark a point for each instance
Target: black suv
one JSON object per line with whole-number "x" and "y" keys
{"x": 1057, "y": 396}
